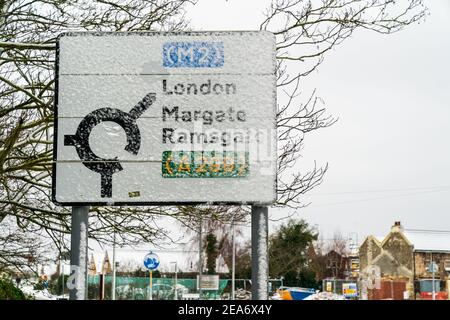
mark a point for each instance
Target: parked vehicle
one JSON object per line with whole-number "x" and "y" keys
{"x": 295, "y": 293}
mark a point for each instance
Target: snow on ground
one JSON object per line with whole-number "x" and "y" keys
{"x": 325, "y": 296}
{"x": 27, "y": 289}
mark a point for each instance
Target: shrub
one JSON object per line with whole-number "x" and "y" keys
{"x": 8, "y": 291}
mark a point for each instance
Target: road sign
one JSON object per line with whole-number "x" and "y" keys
{"x": 151, "y": 261}
{"x": 433, "y": 267}
{"x": 165, "y": 118}
{"x": 209, "y": 282}
{"x": 350, "y": 290}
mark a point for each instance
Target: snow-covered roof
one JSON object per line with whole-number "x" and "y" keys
{"x": 424, "y": 240}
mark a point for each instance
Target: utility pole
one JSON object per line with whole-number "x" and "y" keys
{"x": 61, "y": 267}
{"x": 63, "y": 280}
{"x": 176, "y": 281}
{"x": 113, "y": 286}
{"x": 233, "y": 263}
{"x": 200, "y": 259}
{"x": 433, "y": 273}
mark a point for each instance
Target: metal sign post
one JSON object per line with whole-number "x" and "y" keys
{"x": 151, "y": 262}
{"x": 78, "y": 253}
{"x": 433, "y": 267}
{"x": 151, "y": 285}
{"x": 260, "y": 261}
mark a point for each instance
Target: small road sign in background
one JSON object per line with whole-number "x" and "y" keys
{"x": 151, "y": 261}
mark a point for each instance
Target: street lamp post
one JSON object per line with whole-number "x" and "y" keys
{"x": 233, "y": 264}
{"x": 200, "y": 260}
{"x": 176, "y": 281}
{"x": 113, "y": 286}
{"x": 433, "y": 272}
{"x": 61, "y": 265}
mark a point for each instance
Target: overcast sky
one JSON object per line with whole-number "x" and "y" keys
{"x": 388, "y": 154}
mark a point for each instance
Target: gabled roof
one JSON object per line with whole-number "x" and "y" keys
{"x": 401, "y": 233}
{"x": 421, "y": 240}
{"x": 429, "y": 240}
{"x": 377, "y": 240}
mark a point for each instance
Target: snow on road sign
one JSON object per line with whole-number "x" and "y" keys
{"x": 165, "y": 118}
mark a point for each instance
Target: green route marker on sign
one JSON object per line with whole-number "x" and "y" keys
{"x": 204, "y": 164}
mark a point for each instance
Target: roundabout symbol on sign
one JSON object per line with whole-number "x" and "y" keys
{"x": 127, "y": 120}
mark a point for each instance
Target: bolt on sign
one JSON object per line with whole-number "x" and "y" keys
{"x": 165, "y": 118}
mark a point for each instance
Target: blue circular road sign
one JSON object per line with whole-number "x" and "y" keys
{"x": 151, "y": 261}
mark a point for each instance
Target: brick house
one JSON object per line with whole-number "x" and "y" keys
{"x": 397, "y": 265}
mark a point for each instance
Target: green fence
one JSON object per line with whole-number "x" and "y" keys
{"x": 137, "y": 288}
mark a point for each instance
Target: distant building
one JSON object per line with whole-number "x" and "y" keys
{"x": 337, "y": 265}
{"x": 92, "y": 268}
{"x": 399, "y": 266}
{"x": 334, "y": 269}
{"x": 106, "y": 265}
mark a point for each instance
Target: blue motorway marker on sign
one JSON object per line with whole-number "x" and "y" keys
{"x": 193, "y": 55}
{"x": 151, "y": 261}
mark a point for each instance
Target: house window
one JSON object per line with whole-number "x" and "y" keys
{"x": 427, "y": 261}
{"x": 432, "y": 258}
{"x": 427, "y": 285}
{"x": 447, "y": 265}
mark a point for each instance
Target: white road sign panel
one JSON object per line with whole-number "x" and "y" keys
{"x": 165, "y": 118}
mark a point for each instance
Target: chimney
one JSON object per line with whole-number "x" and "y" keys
{"x": 397, "y": 227}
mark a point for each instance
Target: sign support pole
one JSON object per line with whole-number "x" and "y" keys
{"x": 151, "y": 262}
{"x": 151, "y": 285}
{"x": 78, "y": 252}
{"x": 260, "y": 261}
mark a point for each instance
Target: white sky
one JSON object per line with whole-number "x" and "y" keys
{"x": 391, "y": 96}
